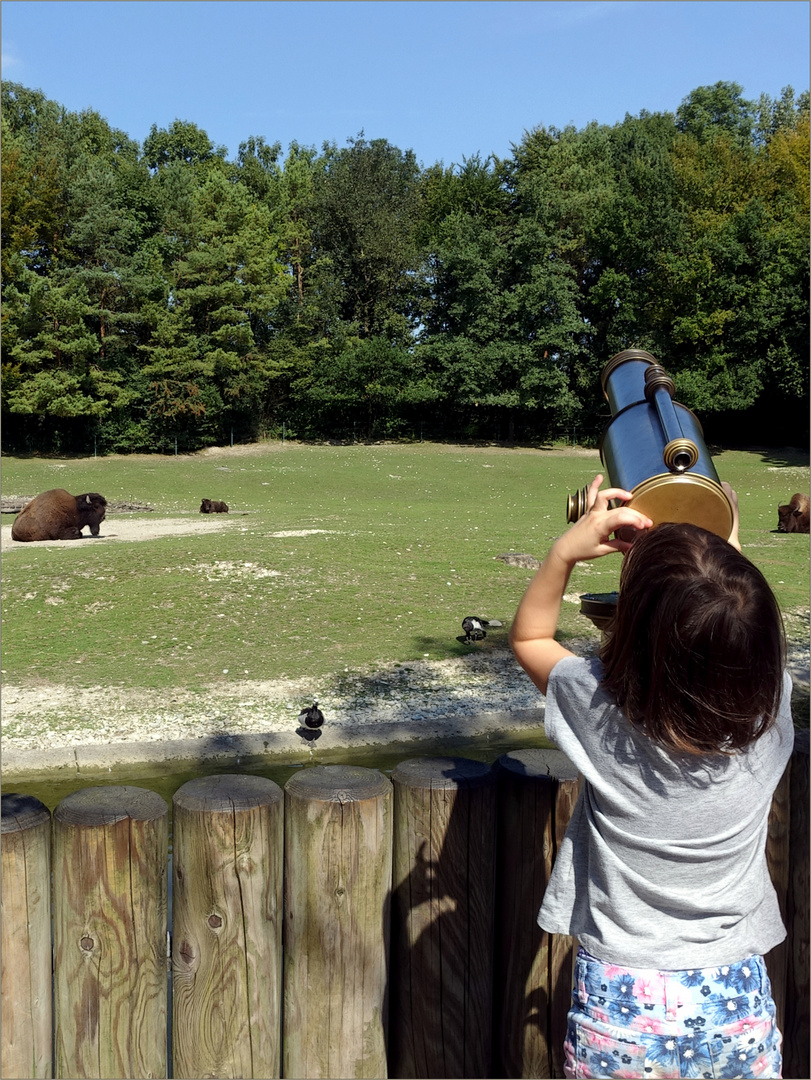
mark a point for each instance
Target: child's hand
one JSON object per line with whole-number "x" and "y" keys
{"x": 732, "y": 495}
{"x": 532, "y": 635}
{"x": 591, "y": 536}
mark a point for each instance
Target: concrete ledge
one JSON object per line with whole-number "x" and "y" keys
{"x": 507, "y": 729}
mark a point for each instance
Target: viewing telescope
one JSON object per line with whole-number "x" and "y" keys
{"x": 654, "y": 448}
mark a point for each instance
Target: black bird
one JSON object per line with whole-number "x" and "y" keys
{"x": 312, "y": 717}
{"x": 473, "y": 626}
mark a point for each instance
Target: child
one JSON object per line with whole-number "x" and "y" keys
{"x": 681, "y": 730}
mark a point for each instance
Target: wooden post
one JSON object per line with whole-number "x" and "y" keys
{"x": 110, "y": 985}
{"x": 442, "y": 918}
{"x": 226, "y": 942}
{"x": 562, "y": 949}
{"x": 524, "y": 863}
{"x": 777, "y": 858}
{"x": 796, "y": 1022}
{"x": 533, "y": 968}
{"x": 337, "y": 881}
{"x": 26, "y": 1029}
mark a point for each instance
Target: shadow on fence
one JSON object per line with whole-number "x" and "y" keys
{"x": 348, "y": 925}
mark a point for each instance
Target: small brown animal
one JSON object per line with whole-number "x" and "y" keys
{"x": 211, "y": 506}
{"x": 794, "y": 516}
{"x": 58, "y": 515}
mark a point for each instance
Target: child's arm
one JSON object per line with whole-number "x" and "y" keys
{"x": 532, "y": 636}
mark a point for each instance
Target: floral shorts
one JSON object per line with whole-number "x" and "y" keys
{"x": 639, "y": 1022}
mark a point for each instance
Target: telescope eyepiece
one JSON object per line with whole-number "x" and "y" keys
{"x": 577, "y": 505}
{"x": 680, "y": 455}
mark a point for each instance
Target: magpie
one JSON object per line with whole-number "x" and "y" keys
{"x": 312, "y": 717}
{"x": 473, "y": 626}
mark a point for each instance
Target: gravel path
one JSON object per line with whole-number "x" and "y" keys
{"x": 441, "y": 695}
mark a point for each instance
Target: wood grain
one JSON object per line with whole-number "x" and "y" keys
{"x": 338, "y": 843}
{"x": 442, "y": 918}
{"x": 226, "y": 943}
{"x": 526, "y": 794}
{"x": 26, "y": 1015}
{"x": 110, "y": 893}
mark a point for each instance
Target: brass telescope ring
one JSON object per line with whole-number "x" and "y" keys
{"x": 680, "y": 455}
{"x": 577, "y": 504}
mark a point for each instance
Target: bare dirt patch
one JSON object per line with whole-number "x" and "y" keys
{"x": 131, "y": 531}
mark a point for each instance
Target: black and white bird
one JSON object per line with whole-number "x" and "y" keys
{"x": 473, "y": 626}
{"x": 312, "y": 717}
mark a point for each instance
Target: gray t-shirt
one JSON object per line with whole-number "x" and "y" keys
{"x": 663, "y": 864}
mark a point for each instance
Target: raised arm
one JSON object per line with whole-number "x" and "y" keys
{"x": 532, "y": 636}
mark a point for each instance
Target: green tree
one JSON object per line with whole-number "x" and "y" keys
{"x": 779, "y": 115}
{"x": 721, "y": 108}
{"x": 503, "y": 303}
{"x": 65, "y": 270}
{"x": 182, "y": 141}
{"x": 172, "y": 293}
{"x": 33, "y": 185}
{"x": 364, "y": 214}
{"x": 737, "y": 287}
{"x": 369, "y": 388}
{"x": 222, "y": 282}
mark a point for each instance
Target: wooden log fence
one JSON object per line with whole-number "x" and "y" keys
{"x": 443, "y": 913}
{"x": 227, "y": 842}
{"x": 350, "y": 925}
{"x": 110, "y": 860}
{"x": 338, "y": 833}
{"x": 26, "y": 1023}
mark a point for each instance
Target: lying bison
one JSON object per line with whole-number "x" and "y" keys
{"x": 209, "y": 506}
{"x": 793, "y": 517}
{"x": 58, "y": 515}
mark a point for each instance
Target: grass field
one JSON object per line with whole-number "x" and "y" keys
{"x": 391, "y": 547}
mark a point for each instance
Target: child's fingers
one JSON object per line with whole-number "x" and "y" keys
{"x": 624, "y": 516}
{"x": 622, "y": 546}
{"x": 732, "y": 495}
{"x": 599, "y": 500}
{"x": 627, "y": 530}
{"x": 616, "y": 493}
{"x": 593, "y": 491}
{"x": 627, "y": 534}
{"x": 595, "y": 534}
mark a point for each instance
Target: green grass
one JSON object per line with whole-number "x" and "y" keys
{"x": 411, "y": 535}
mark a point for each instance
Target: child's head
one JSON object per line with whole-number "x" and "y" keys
{"x": 696, "y": 652}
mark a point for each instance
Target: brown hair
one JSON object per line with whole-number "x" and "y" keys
{"x": 696, "y": 651}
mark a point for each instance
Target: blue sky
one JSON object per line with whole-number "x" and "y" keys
{"x": 446, "y": 79}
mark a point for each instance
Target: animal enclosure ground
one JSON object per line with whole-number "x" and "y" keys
{"x": 341, "y": 574}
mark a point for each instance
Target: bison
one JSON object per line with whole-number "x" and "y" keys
{"x": 793, "y": 517}
{"x": 211, "y": 506}
{"x": 58, "y": 515}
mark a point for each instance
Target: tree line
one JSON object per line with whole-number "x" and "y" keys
{"x": 162, "y": 295}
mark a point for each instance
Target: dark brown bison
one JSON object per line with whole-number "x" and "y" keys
{"x": 58, "y": 515}
{"x": 793, "y": 518}
{"x": 211, "y": 506}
